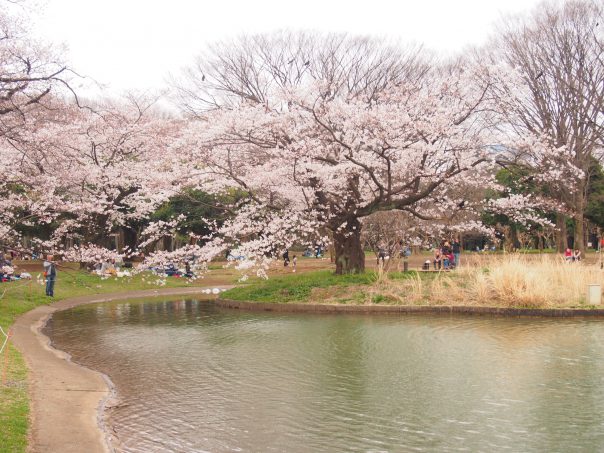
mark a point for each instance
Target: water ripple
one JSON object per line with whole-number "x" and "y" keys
{"x": 194, "y": 378}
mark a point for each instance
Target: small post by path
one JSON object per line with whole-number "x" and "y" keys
{"x": 594, "y": 294}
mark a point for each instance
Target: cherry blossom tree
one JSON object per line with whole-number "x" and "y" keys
{"x": 301, "y": 136}
{"x": 357, "y": 135}
{"x": 32, "y": 76}
{"x": 90, "y": 171}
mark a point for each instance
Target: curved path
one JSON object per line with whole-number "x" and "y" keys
{"x": 67, "y": 399}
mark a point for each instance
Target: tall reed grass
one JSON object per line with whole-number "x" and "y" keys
{"x": 512, "y": 280}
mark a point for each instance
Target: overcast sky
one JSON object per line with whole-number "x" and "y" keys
{"x": 135, "y": 43}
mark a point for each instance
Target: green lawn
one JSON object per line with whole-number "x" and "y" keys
{"x": 22, "y": 296}
{"x": 298, "y": 287}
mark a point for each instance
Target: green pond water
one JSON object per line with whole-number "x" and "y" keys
{"x": 195, "y": 378}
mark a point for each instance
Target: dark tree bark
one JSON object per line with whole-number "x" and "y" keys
{"x": 561, "y": 233}
{"x": 130, "y": 238}
{"x": 350, "y": 257}
{"x": 579, "y": 233}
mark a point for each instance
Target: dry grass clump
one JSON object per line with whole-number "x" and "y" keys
{"x": 548, "y": 282}
{"x": 513, "y": 280}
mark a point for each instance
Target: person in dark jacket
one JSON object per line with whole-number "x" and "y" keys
{"x": 50, "y": 273}
{"x": 456, "y": 251}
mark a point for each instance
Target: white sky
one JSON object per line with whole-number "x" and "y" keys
{"x": 128, "y": 44}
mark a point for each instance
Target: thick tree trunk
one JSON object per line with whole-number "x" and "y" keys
{"x": 508, "y": 244}
{"x": 510, "y": 239}
{"x": 561, "y": 233}
{"x": 514, "y": 239}
{"x": 350, "y": 257}
{"x": 579, "y": 242}
{"x": 130, "y": 238}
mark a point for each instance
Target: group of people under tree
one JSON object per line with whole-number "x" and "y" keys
{"x": 105, "y": 267}
{"x": 447, "y": 256}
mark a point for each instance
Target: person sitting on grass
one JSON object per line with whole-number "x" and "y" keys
{"x": 446, "y": 254}
{"x": 171, "y": 270}
{"x": 577, "y": 255}
{"x": 97, "y": 265}
{"x": 188, "y": 271}
{"x": 108, "y": 268}
{"x": 568, "y": 255}
{"x": 5, "y": 273}
{"x": 449, "y": 258}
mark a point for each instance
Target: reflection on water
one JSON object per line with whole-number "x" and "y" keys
{"x": 196, "y": 378}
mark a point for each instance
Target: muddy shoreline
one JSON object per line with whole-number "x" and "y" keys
{"x": 410, "y": 309}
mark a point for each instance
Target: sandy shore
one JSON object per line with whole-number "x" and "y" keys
{"x": 66, "y": 399}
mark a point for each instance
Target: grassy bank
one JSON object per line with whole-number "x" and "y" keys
{"x": 317, "y": 287}
{"x": 294, "y": 287}
{"x": 21, "y": 296}
{"x": 510, "y": 281}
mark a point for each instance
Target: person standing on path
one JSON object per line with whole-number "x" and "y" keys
{"x": 456, "y": 251}
{"x": 50, "y": 272}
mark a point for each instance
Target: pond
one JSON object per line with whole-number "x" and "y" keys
{"x": 192, "y": 377}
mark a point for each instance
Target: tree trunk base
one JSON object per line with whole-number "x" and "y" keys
{"x": 350, "y": 257}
